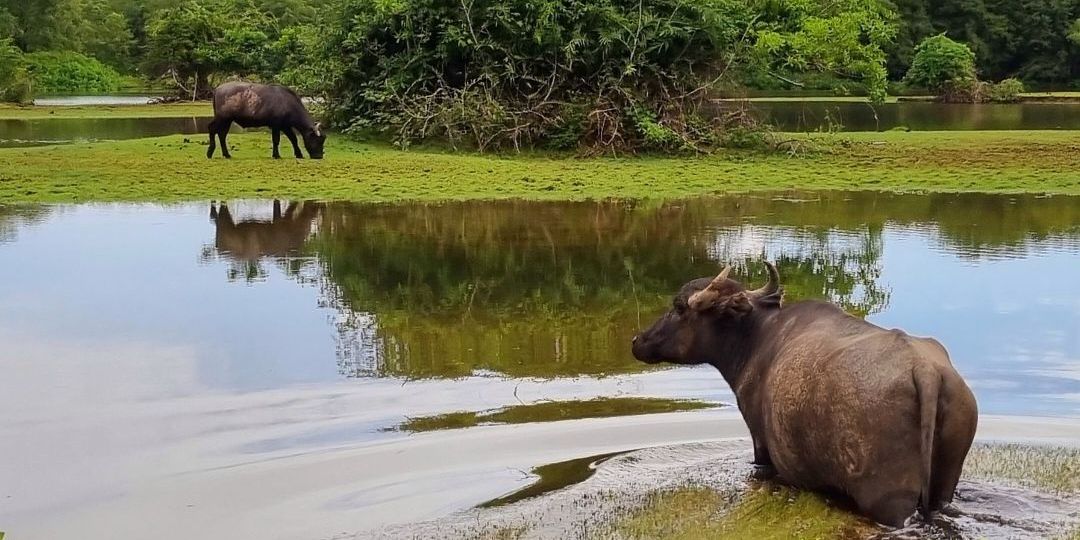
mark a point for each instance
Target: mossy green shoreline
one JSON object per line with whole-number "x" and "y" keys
{"x": 175, "y": 168}
{"x": 184, "y": 109}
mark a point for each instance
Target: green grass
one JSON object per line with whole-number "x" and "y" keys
{"x": 1049, "y": 468}
{"x": 763, "y": 513}
{"x": 175, "y": 168}
{"x": 552, "y": 411}
{"x": 164, "y": 110}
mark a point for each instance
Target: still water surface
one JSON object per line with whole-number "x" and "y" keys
{"x": 162, "y": 357}
{"x": 798, "y": 116}
{"x": 39, "y": 132}
{"x": 917, "y": 116}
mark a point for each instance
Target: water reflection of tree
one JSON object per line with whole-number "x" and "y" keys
{"x": 558, "y": 289}
{"x": 14, "y": 217}
{"x": 541, "y": 289}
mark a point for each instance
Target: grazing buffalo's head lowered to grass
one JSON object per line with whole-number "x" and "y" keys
{"x": 264, "y": 105}
{"x": 314, "y": 139}
{"x": 708, "y": 318}
{"x": 832, "y": 402}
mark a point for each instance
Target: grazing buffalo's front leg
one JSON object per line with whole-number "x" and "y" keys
{"x": 292, "y": 138}
{"x": 223, "y": 132}
{"x": 276, "y": 138}
{"x": 213, "y": 134}
{"x": 763, "y": 465}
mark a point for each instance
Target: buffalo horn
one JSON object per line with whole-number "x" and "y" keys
{"x": 772, "y": 286}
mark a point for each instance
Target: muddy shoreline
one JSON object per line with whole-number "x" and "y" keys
{"x": 985, "y": 507}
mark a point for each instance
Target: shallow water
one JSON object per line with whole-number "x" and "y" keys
{"x": 118, "y": 99}
{"x": 785, "y": 115}
{"x": 917, "y": 116}
{"x": 39, "y": 132}
{"x": 163, "y": 363}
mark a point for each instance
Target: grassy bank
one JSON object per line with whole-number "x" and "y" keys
{"x": 164, "y": 110}
{"x": 175, "y": 168}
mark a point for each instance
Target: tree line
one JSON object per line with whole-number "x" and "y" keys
{"x": 606, "y": 75}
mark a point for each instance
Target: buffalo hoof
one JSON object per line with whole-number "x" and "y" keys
{"x": 763, "y": 472}
{"x": 276, "y": 157}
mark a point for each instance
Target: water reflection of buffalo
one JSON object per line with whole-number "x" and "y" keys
{"x": 832, "y": 402}
{"x": 250, "y": 240}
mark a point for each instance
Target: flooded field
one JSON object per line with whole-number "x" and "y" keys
{"x": 802, "y": 116}
{"x": 323, "y": 369}
{"x": 40, "y": 132}
{"x": 796, "y": 116}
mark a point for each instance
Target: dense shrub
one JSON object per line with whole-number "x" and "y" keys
{"x": 14, "y": 82}
{"x": 939, "y": 61}
{"x": 1007, "y": 91}
{"x": 965, "y": 90}
{"x": 70, "y": 72}
{"x": 604, "y": 74}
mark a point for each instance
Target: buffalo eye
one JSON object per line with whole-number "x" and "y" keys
{"x": 680, "y": 306}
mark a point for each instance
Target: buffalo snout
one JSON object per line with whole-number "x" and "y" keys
{"x": 648, "y": 346}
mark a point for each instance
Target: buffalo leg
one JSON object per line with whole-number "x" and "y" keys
{"x": 292, "y": 138}
{"x": 223, "y": 132}
{"x": 275, "y": 135}
{"x": 763, "y": 465}
{"x": 213, "y": 135}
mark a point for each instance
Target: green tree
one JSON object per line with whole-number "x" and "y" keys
{"x": 939, "y": 60}
{"x": 105, "y": 34}
{"x": 70, "y": 72}
{"x": 609, "y": 74}
{"x": 14, "y": 81}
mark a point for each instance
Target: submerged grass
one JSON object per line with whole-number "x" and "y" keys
{"x": 552, "y": 411}
{"x": 1055, "y": 469}
{"x": 763, "y": 513}
{"x": 163, "y": 110}
{"x": 174, "y": 168}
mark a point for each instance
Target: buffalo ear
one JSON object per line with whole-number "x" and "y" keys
{"x": 318, "y": 129}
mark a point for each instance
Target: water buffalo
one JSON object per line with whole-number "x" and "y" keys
{"x": 262, "y": 105}
{"x": 250, "y": 240}
{"x": 833, "y": 403}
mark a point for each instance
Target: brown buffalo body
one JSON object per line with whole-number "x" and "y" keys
{"x": 284, "y": 235}
{"x": 833, "y": 403}
{"x": 261, "y": 105}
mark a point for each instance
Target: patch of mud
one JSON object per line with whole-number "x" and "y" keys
{"x": 622, "y": 483}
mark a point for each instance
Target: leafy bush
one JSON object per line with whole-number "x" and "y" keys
{"x": 14, "y": 82}
{"x": 69, "y": 72}
{"x": 1006, "y": 91}
{"x": 939, "y": 61}
{"x": 607, "y": 75}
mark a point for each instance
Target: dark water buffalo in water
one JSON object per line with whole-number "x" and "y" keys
{"x": 833, "y": 403}
{"x": 250, "y": 240}
{"x": 261, "y": 105}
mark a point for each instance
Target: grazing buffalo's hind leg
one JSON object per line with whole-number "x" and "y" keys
{"x": 213, "y": 133}
{"x": 292, "y": 138}
{"x": 275, "y": 136}
{"x": 223, "y": 132}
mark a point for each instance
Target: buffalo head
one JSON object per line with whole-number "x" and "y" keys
{"x": 706, "y": 320}
{"x": 314, "y": 141}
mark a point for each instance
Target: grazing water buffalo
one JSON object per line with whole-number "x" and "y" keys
{"x": 261, "y": 105}
{"x": 833, "y": 403}
{"x": 250, "y": 240}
